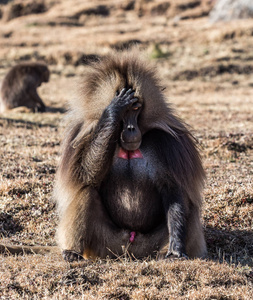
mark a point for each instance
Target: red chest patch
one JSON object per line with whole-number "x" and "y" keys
{"x": 129, "y": 154}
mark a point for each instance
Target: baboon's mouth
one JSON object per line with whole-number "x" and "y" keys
{"x": 130, "y": 146}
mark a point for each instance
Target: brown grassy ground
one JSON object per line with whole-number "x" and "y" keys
{"x": 207, "y": 70}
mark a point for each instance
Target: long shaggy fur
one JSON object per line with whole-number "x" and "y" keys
{"x": 76, "y": 190}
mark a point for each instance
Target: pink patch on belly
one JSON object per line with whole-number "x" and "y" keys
{"x": 129, "y": 154}
{"x": 132, "y": 236}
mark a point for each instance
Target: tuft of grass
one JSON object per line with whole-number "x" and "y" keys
{"x": 157, "y": 52}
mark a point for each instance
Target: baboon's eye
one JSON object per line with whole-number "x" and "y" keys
{"x": 136, "y": 106}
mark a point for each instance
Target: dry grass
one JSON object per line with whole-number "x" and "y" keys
{"x": 208, "y": 77}
{"x": 51, "y": 278}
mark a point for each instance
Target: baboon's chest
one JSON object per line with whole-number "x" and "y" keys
{"x": 130, "y": 197}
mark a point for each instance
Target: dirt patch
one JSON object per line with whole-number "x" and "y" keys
{"x": 212, "y": 71}
{"x": 18, "y": 9}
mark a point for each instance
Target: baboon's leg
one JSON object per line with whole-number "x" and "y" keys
{"x": 86, "y": 230}
{"x": 195, "y": 241}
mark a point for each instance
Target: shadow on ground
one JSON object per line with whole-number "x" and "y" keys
{"x": 235, "y": 246}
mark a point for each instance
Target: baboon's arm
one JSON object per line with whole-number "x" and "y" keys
{"x": 37, "y": 100}
{"x": 175, "y": 215}
{"x": 98, "y": 155}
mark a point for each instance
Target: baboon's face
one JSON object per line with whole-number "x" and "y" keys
{"x": 131, "y": 136}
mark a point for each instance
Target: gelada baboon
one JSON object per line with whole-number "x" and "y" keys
{"x": 19, "y": 86}
{"x": 130, "y": 176}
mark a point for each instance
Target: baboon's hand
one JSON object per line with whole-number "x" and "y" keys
{"x": 123, "y": 101}
{"x": 70, "y": 255}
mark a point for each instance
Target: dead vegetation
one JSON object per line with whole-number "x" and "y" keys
{"x": 122, "y": 280}
{"x": 207, "y": 73}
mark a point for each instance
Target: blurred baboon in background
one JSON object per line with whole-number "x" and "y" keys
{"x": 19, "y": 86}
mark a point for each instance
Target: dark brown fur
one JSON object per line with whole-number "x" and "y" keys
{"x": 86, "y": 226}
{"x": 19, "y": 87}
